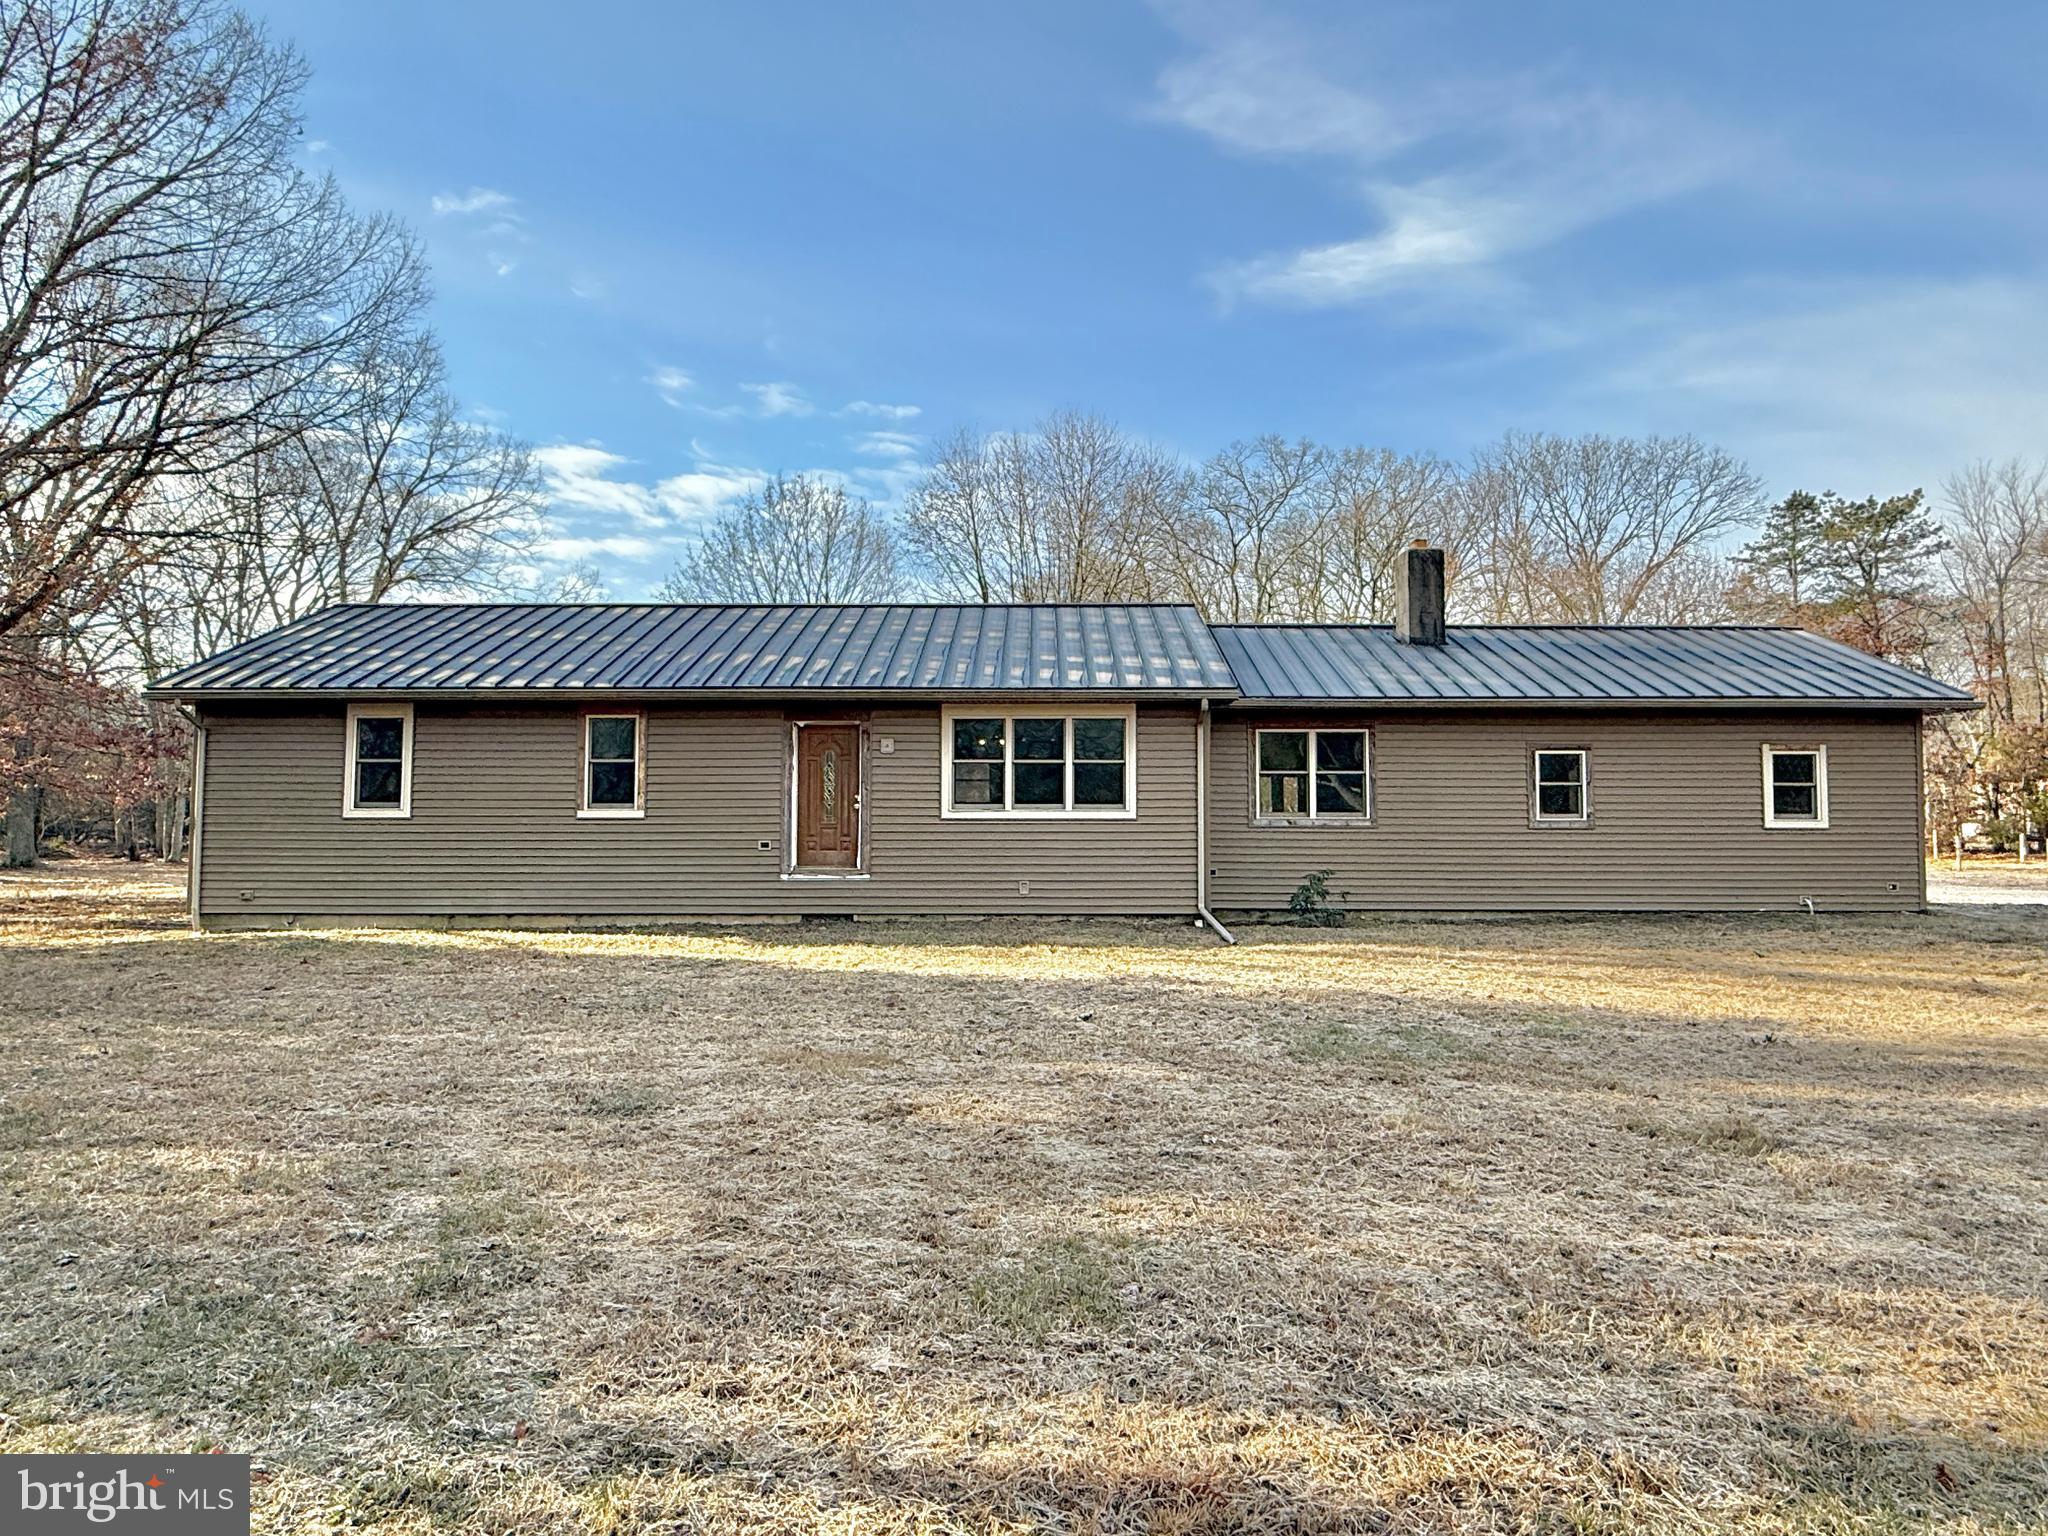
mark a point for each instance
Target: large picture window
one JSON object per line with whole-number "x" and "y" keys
{"x": 1038, "y": 764}
{"x": 1314, "y": 775}
{"x": 1795, "y": 786}
{"x": 378, "y": 763}
{"x": 612, "y": 776}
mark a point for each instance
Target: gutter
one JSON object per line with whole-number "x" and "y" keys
{"x": 198, "y": 811}
{"x": 1202, "y": 826}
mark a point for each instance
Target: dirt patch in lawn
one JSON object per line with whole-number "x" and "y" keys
{"x": 1577, "y": 1224}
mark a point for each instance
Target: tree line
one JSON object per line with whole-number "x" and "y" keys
{"x": 1537, "y": 529}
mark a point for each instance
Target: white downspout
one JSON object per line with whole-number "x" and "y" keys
{"x": 1202, "y": 826}
{"x": 198, "y": 812}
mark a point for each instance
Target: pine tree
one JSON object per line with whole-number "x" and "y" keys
{"x": 1786, "y": 559}
{"x": 1875, "y": 570}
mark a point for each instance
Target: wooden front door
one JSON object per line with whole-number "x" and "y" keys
{"x": 828, "y": 797}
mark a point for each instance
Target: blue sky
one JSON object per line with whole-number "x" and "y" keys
{"x": 680, "y": 247}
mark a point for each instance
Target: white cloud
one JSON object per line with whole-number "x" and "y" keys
{"x": 888, "y": 445}
{"x": 584, "y": 477}
{"x": 670, "y": 383}
{"x": 1863, "y": 388}
{"x": 703, "y": 492}
{"x": 1457, "y": 176}
{"x": 317, "y": 146}
{"x": 501, "y": 264}
{"x": 567, "y": 549}
{"x": 580, "y": 475}
{"x": 878, "y": 409}
{"x": 584, "y": 286}
{"x": 779, "y": 399}
{"x": 1255, "y": 92}
{"x": 475, "y": 200}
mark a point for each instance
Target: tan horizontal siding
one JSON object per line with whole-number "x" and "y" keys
{"x": 494, "y": 827}
{"x": 1677, "y": 802}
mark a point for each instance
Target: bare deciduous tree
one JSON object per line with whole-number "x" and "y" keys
{"x": 171, "y": 280}
{"x": 1064, "y": 513}
{"x": 1585, "y": 529}
{"x": 1378, "y": 503}
{"x": 796, "y": 540}
{"x": 1996, "y": 563}
{"x": 1257, "y": 506}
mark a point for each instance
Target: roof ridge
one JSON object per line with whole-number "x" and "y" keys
{"x": 1384, "y": 624}
{"x": 655, "y": 603}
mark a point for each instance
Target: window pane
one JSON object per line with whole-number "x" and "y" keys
{"x": 1098, "y": 783}
{"x": 1795, "y": 802}
{"x": 1343, "y": 750}
{"x": 1559, "y": 800}
{"x": 377, "y": 783}
{"x": 977, "y": 786}
{"x": 1558, "y": 767}
{"x": 611, "y": 783}
{"x": 1795, "y": 767}
{"x": 379, "y": 736}
{"x": 612, "y": 738}
{"x": 978, "y": 741}
{"x": 1282, "y": 750}
{"x": 1041, "y": 739}
{"x": 1041, "y": 784}
{"x": 1283, "y": 794}
{"x": 1340, "y": 794}
{"x": 1099, "y": 740}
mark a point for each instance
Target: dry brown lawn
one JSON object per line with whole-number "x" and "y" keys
{"x": 1660, "y": 1224}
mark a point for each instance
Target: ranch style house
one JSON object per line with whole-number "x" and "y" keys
{"x": 617, "y": 764}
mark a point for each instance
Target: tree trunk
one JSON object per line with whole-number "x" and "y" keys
{"x": 22, "y": 808}
{"x": 170, "y": 827}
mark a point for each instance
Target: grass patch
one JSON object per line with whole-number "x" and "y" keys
{"x": 623, "y": 1101}
{"x": 1070, "y": 1285}
{"x": 1737, "y": 1135}
{"x": 1397, "y": 1047}
{"x": 23, "y": 1123}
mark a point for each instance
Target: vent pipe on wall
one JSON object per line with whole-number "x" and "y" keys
{"x": 1419, "y": 595}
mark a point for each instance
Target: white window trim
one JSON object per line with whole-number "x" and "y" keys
{"x": 349, "y": 809}
{"x": 1313, "y": 818}
{"x": 1536, "y": 811}
{"x": 1009, "y": 811}
{"x": 638, "y": 809}
{"x": 1820, "y": 772}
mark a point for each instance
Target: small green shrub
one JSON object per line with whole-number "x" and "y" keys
{"x": 1311, "y": 903}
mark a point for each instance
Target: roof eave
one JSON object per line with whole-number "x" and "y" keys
{"x": 1928, "y": 706}
{"x": 1138, "y": 692}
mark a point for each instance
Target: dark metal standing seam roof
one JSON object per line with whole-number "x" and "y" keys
{"x": 663, "y": 647}
{"x": 1568, "y": 664}
{"x": 1034, "y": 648}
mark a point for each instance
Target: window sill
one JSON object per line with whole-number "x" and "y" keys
{"x": 824, "y": 874}
{"x": 1319, "y": 823}
{"x": 637, "y": 814}
{"x": 353, "y": 813}
{"x": 1119, "y": 814}
{"x": 1795, "y": 826}
{"x": 1566, "y": 823}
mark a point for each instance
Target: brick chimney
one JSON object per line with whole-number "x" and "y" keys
{"x": 1419, "y": 595}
